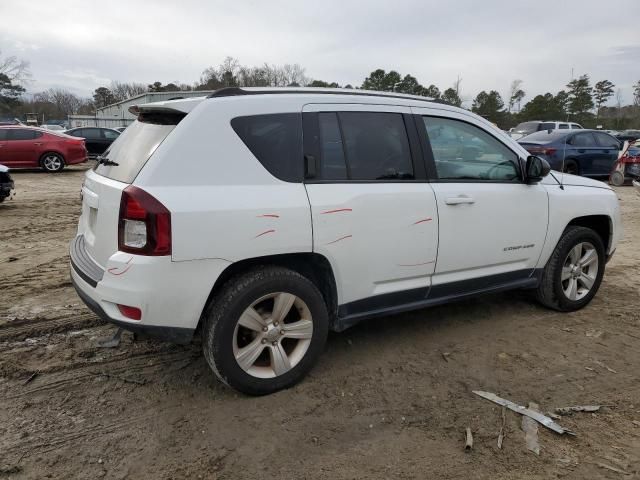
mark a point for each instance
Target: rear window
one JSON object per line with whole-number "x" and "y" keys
{"x": 275, "y": 140}
{"x": 135, "y": 145}
{"x": 527, "y": 127}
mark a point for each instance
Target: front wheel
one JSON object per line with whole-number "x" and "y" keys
{"x": 52, "y": 162}
{"x": 264, "y": 331}
{"x": 574, "y": 272}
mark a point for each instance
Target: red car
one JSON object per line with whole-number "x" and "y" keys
{"x": 29, "y": 147}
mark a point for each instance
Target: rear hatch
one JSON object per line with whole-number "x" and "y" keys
{"x": 117, "y": 169}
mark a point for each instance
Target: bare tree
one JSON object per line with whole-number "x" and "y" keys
{"x": 124, "y": 90}
{"x": 516, "y": 94}
{"x": 65, "y": 102}
{"x": 16, "y": 69}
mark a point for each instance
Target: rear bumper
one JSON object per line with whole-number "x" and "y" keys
{"x": 171, "y": 295}
{"x": 170, "y": 334}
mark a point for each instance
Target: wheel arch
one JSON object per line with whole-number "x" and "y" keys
{"x": 311, "y": 265}
{"x": 601, "y": 224}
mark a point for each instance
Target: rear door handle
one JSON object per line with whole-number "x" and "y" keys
{"x": 459, "y": 200}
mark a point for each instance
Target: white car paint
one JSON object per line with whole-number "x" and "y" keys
{"x": 379, "y": 238}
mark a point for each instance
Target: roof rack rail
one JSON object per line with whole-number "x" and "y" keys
{"x": 236, "y": 91}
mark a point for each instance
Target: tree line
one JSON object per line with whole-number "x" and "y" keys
{"x": 579, "y": 101}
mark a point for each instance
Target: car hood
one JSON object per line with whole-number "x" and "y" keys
{"x": 574, "y": 180}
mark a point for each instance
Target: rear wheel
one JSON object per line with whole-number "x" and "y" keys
{"x": 617, "y": 178}
{"x": 264, "y": 331}
{"x": 52, "y": 162}
{"x": 574, "y": 272}
{"x": 571, "y": 167}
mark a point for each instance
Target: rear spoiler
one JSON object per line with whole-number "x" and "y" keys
{"x": 177, "y": 106}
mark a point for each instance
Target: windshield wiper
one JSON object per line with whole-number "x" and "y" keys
{"x": 105, "y": 161}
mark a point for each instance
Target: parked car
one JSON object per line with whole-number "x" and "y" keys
{"x": 53, "y": 127}
{"x": 589, "y": 153}
{"x": 30, "y": 147}
{"x": 527, "y": 128}
{"x": 97, "y": 139}
{"x": 267, "y": 217}
{"x": 6, "y": 183}
{"x": 631, "y": 135}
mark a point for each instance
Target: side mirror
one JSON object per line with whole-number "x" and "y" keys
{"x": 537, "y": 168}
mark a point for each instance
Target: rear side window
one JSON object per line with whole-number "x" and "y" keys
{"x": 583, "y": 140}
{"x": 576, "y": 126}
{"x": 606, "y": 140}
{"x": 275, "y": 140}
{"x": 136, "y": 144}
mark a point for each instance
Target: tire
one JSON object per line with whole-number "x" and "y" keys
{"x": 555, "y": 290}
{"x": 52, "y": 162}
{"x": 260, "y": 356}
{"x": 571, "y": 167}
{"x": 617, "y": 178}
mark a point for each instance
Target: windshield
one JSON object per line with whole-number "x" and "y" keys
{"x": 131, "y": 150}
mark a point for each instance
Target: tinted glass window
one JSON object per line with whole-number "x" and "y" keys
{"x": 527, "y": 127}
{"x": 464, "y": 151}
{"x": 91, "y": 133}
{"x": 76, "y": 133}
{"x": 605, "y": 140}
{"x": 23, "y": 134}
{"x": 583, "y": 140}
{"x": 332, "y": 165}
{"x": 376, "y": 146}
{"x": 3, "y": 134}
{"x": 575, "y": 125}
{"x": 547, "y": 126}
{"x": 564, "y": 126}
{"x": 276, "y": 141}
{"x": 110, "y": 134}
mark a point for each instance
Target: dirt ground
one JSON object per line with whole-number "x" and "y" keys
{"x": 390, "y": 398}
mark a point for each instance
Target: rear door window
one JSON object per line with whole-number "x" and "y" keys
{"x": 563, "y": 126}
{"x": 583, "y": 140}
{"x": 275, "y": 140}
{"x": 333, "y": 165}
{"x": 607, "y": 141}
{"x": 376, "y": 146}
{"x": 91, "y": 133}
{"x": 547, "y": 126}
{"x": 136, "y": 144}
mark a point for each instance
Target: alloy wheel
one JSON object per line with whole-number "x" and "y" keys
{"x": 273, "y": 335}
{"x": 52, "y": 163}
{"x": 579, "y": 271}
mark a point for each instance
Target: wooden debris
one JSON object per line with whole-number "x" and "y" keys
{"x": 469, "y": 442}
{"x": 603, "y": 365}
{"x": 537, "y": 416}
{"x": 501, "y": 433}
{"x": 613, "y": 469}
{"x": 579, "y": 408}
{"x": 445, "y": 356}
{"x": 530, "y": 429}
{"x": 31, "y": 377}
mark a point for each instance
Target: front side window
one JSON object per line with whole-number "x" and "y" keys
{"x": 23, "y": 134}
{"x": 276, "y": 141}
{"x": 462, "y": 151}
{"x": 110, "y": 134}
{"x": 583, "y": 140}
{"x": 376, "y": 146}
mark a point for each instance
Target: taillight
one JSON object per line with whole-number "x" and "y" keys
{"x": 144, "y": 224}
{"x": 134, "y": 313}
{"x": 541, "y": 150}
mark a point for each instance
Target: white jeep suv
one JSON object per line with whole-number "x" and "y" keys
{"x": 266, "y": 217}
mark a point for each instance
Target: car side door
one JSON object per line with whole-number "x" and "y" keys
{"x": 608, "y": 154}
{"x": 584, "y": 150}
{"x": 23, "y": 147}
{"x": 492, "y": 225}
{"x": 93, "y": 140}
{"x": 3, "y": 146}
{"x": 374, "y": 213}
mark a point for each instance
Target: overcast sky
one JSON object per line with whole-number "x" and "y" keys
{"x": 84, "y": 44}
